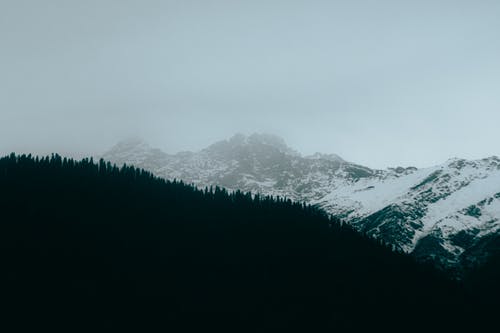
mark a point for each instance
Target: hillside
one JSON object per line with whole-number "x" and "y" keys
{"x": 93, "y": 246}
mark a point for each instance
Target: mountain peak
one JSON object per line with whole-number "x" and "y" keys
{"x": 132, "y": 150}
{"x": 329, "y": 157}
{"x": 268, "y": 139}
{"x": 240, "y": 140}
{"x": 131, "y": 142}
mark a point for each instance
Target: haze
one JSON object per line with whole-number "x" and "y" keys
{"x": 381, "y": 83}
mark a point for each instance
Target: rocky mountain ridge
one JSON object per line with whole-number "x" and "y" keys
{"x": 448, "y": 213}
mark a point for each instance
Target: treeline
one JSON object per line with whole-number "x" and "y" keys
{"x": 88, "y": 245}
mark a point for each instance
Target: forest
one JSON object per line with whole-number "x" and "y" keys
{"x": 87, "y": 245}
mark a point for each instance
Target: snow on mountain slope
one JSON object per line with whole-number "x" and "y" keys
{"x": 432, "y": 203}
{"x": 372, "y": 194}
{"x": 442, "y": 213}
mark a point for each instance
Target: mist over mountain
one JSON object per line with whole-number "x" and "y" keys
{"x": 367, "y": 198}
{"x": 447, "y": 213}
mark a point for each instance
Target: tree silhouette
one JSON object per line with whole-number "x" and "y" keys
{"x": 86, "y": 245}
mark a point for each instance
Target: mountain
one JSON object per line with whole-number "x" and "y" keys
{"x": 93, "y": 247}
{"x": 448, "y": 213}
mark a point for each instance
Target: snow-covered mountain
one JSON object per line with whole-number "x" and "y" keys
{"x": 449, "y": 213}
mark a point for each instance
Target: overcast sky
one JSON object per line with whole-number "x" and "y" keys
{"x": 381, "y": 83}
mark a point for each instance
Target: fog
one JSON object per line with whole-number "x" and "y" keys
{"x": 381, "y": 83}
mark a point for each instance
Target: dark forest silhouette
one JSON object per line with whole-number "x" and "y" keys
{"x": 89, "y": 245}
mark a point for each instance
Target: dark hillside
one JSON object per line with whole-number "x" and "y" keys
{"x": 483, "y": 281}
{"x": 93, "y": 246}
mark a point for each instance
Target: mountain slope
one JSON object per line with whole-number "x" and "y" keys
{"x": 441, "y": 213}
{"x": 89, "y": 246}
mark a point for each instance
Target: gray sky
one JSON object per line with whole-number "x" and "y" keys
{"x": 381, "y": 83}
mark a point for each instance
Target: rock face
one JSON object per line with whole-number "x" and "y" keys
{"x": 449, "y": 213}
